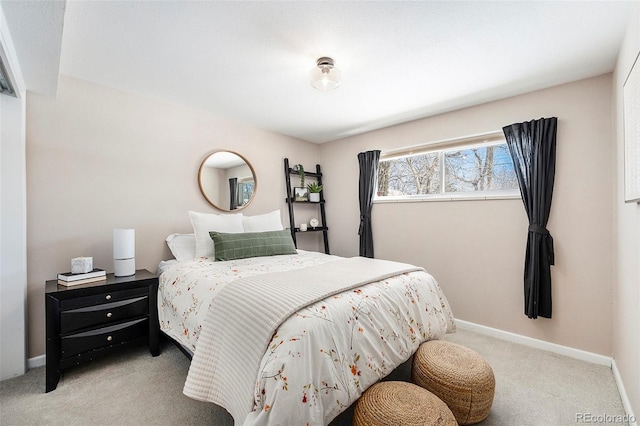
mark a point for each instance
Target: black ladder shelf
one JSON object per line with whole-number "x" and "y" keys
{"x": 288, "y": 171}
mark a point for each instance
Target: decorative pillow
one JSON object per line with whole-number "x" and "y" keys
{"x": 252, "y": 244}
{"x": 263, "y": 222}
{"x": 182, "y": 246}
{"x": 203, "y": 223}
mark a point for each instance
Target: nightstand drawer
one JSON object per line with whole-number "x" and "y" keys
{"x": 104, "y": 314}
{"x": 107, "y": 297}
{"x": 75, "y": 344}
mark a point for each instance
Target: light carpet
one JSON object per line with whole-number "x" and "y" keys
{"x": 533, "y": 387}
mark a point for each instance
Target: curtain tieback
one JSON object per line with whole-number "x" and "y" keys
{"x": 363, "y": 219}
{"x": 538, "y": 229}
{"x": 548, "y": 241}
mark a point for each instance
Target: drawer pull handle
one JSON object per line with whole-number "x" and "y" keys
{"x": 109, "y": 314}
{"x": 109, "y": 338}
{"x": 108, "y": 297}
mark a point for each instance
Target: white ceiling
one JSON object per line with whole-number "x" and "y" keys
{"x": 36, "y": 32}
{"x": 400, "y": 60}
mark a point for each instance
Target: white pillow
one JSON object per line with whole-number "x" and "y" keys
{"x": 203, "y": 223}
{"x": 263, "y": 222}
{"x": 182, "y": 246}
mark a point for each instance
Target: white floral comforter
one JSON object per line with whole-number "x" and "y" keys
{"x": 189, "y": 286}
{"x": 322, "y": 358}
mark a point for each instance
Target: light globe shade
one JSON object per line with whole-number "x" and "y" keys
{"x": 124, "y": 252}
{"x": 325, "y": 76}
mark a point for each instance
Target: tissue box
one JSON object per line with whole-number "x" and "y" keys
{"x": 81, "y": 265}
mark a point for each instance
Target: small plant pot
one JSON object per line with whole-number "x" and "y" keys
{"x": 314, "y": 197}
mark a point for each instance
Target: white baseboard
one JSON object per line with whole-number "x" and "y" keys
{"x": 558, "y": 349}
{"x": 623, "y": 394}
{"x": 38, "y": 361}
{"x": 41, "y": 360}
{"x": 536, "y": 343}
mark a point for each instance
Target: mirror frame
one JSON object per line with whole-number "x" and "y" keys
{"x": 253, "y": 172}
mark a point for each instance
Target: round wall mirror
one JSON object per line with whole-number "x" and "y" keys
{"x": 227, "y": 180}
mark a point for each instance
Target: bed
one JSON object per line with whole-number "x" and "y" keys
{"x": 315, "y": 357}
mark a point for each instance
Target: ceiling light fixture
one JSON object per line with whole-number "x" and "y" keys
{"x": 325, "y": 76}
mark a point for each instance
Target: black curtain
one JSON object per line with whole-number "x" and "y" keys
{"x": 368, "y": 175}
{"x": 233, "y": 193}
{"x": 532, "y": 146}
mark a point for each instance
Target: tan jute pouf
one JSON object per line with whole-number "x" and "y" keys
{"x": 457, "y": 375}
{"x": 401, "y": 403}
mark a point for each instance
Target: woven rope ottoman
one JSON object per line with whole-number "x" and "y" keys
{"x": 401, "y": 403}
{"x": 457, "y": 375}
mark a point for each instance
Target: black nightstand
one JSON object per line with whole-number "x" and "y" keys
{"x": 91, "y": 320}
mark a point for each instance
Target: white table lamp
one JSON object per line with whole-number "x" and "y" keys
{"x": 124, "y": 252}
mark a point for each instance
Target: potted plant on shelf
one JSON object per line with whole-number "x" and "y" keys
{"x": 314, "y": 192}
{"x": 300, "y": 169}
{"x": 301, "y": 193}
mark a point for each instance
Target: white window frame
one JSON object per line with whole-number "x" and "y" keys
{"x": 442, "y": 147}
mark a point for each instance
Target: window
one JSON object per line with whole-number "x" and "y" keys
{"x": 478, "y": 167}
{"x": 245, "y": 190}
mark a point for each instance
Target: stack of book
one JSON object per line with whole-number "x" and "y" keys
{"x": 68, "y": 278}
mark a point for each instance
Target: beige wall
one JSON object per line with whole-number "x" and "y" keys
{"x": 99, "y": 159}
{"x": 475, "y": 249}
{"x": 626, "y": 296}
{"x": 211, "y": 180}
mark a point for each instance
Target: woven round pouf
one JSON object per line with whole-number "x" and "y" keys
{"x": 457, "y": 375}
{"x": 400, "y": 403}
